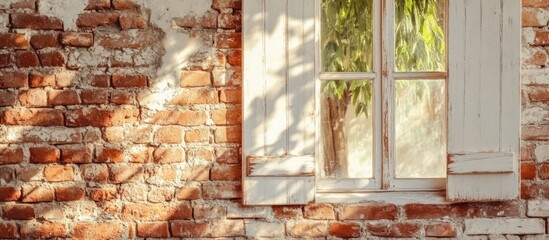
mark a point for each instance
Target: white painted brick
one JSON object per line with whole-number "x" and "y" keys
{"x": 497, "y": 237}
{"x": 264, "y": 229}
{"x": 537, "y": 237}
{"x": 538, "y": 208}
{"x": 542, "y": 153}
{"x": 235, "y": 211}
{"x": 504, "y": 226}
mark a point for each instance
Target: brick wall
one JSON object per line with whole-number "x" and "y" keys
{"x": 122, "y": 120}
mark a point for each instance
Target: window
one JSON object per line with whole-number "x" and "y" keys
{"x": 281, "y": 68}
{"x": 359, "y": 42}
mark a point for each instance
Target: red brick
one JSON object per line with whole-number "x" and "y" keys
{"x": 52, "y": 59}
{"x": 37, "y": 194}
{"x": 44, "y": 155}
{"x": 200, "y": 154}
{"x": 33, "y": 117}
{"x": 153, "y": 229}
{"x": 69, "y": 193}
{"x": 188, "y": 193}
{"x": 169, "y": 134}
{"x": 141, "y": 155}
{"x": 110, "y": 155}
{"x": 122, "y": 98}
{"x": 535, "y": 3}
{"x": 98, "y": 5}
{"x": 230, "y": 96}
{"x": 76, "y": 154}
{"x": 195, "y": 79}
{"x": 5, "y": 60}
{"x": 100, "y": 117}
{"x": 234, "y": 4}
{"x": 124, "y": 40}
{"x": 307, "y": 230}
{"x": 26, "y": 59}
{"x": 544, "y": 171}
{"x": 110, "y": 230}
{"x": 14, "y": 40}
{"x": 96, "y": 19}
{"x": 129, "y": 20}
{"x": 227, "y": 116}
{"x": 102, "y": 81}
{"x": 429, "y": 211}
{"x": 369, "y": 212}
{"x": 43, "y": 230}
{"x": 235, "y": 58}
{"x": 228, "y": 40}
{"x": 94, "y": 172}
{"x": 529, "y": 190}
{"x": 8, "y": 230}
{"x": 13, "y": 80}
{"x": 103, "y": 194}
{"x": 227, "y": 155}
{"x": 398, "y": 230}
{"x": 124, "y": 4}
{"x": 35, "y": 21}
{"x": 11, "y": 155}
{"x": 207, "y": 21}
{"x": 121, "y": 174}
{"x": 158, "y": 212}
{"x": 7, "y": 174}
{"x": 344, "y": 230}
{"x": 46, "y": 40}
{"x": 440, "y": 230}
{"x": 530, "y": 19}
{"x": 42, "y": 80}
{"x": 63, "y": 97}
{"x": 229, "y": 21}
{"x": 76, "y": 39}
{"x": 215, "y": 190}
{"x": 9, "y": 194}
{"x": 7, "y": 98}
{"x": 227, "y": 173}
{"x": 195, "y": 96}
{"x": 24, "y": 4}
{"x": 319, "y": 211}
{"x": 94, "y": 97}
{"x": 58, "y": 173}
{"x": 196, "y": 173}
{"x": 128, "y": 81}
{"x": 228, "y": 135}
{"x": 197, "y": 135}
{"x": 188, "y": 229}
{"x": 534, "y": 132}
{"x": 182, "y": 117}
{"x": 528, "y": 170}
{"x": 287, "y": 211}
{"x": 18, "y": 212}
{"x": 33, "y": 98}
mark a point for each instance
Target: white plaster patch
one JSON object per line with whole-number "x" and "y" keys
{"x": 5, "y": 4}
{"x": 538, "y": 208}
{"x": 532, "y": 115}
{"x": 264, "y": 229}
{"x": 535, "y": 76}
{"x": 4, "y": 20}
{"x": 67, "y": 11}
{"x": 542, "y": 153}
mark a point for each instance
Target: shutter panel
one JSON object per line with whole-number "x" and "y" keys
{"x": 278, "y": 102}
{"x": 484, "y": 100}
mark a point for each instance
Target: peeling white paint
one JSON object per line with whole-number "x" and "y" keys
{"x": 532, "y": 115}
{"x": 67, "y": 11}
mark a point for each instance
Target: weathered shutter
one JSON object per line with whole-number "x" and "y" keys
{"x": 278, "y": 98}
{"x": 484, "y": 100}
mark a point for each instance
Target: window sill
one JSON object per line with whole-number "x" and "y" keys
{"x": 398, "y": 198}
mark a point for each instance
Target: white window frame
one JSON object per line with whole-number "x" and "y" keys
{"x": 383, "y": 77}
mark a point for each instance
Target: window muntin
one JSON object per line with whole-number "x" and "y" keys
{"x": 394, "y": 95}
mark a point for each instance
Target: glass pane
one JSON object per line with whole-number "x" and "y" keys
{"x": 347, "y": 132}
{"x": 347, "y": 36}
{"x": 419, "y": 35}
{"x": 420, "y": 124}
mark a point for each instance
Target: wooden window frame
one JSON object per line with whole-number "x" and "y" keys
{"x": 383, "y": 77}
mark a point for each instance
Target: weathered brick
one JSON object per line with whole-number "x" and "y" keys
{"x": 209, "y": 212}
{"x": 122, "y": 97}
{"x": 69, "y": 193}
{"x": 13, "y": 80}
{"x": 344, "y": 230}
{"x": 100, "y": 117}
{"x": 319, "y": 211}
{"x": 535, "y": 3}
{"x": 169, "y": 134}
{"x": 235, "y": 58}
{"x": 440, "y": 230}
{"x": 306, "y": 229}
{"x": 189, "y": 229}
{"x": 45, "y": 40}
{"x": 227, "y": 173}
{"x": 544, "y": 171}
{"x": 227, "y": 155}
{"x": 58, "y": 173}
{"x": 33, "y": 117}
{"x": 153, "y": 229}
{"x": 234, "y": 4}
{"x": 19, "y": 212}
{"x": 126, "y": 41}
{"x": 399, "y": 230}
{"x": 197, "y": 135}
{"x": 43, "y": 230}
{"x": 24, "y": 4}
{"x": 14, "y": 40}
{"x": 8, "y": 230}
{"x": 101, "y": 81}
{"x": 369, "y": 212}
{"x": 94, "y": 230}
{"x": 63, "y": 97}
{"x": 33, "y": 98}
{"x": 120, "y": 173}
{"x": 35, "y": 21}
{"x": 228, "y": 135}
{"x": 129, "y": 81}
{"x": 37, "y": 194}
{"x": 287, "y": 211}
{"x": 44, "y": 155}
{"x": 156, "y": 212}
{"x": 76, "y": 154}
{"x": 195, "y": 96}
{"x": 230, "y": 96}
{"x": 195, "y": 79}
{"x": 110, "y": 155}
{"x": 183, "y": 117}
{"x": 96, "y": 19}
{"x": 11, "y": 155}
{"x": 228, "y": 40}
{"x": 130, "y": 20}
{"x": 103, "y": 194}
{"x": 9, "y": 194}
{"x": 26, "y": 59}
{"x": 52, "y": 59}
{"x": 94, "y": 97}
{"x": 98, "y": 5}
{"x": 427, "y": 211}
{"x": 5, "y": 60}
{"x": 215, "y": 190}
{"x": 124, "y": 4}
{"x": 188, "y": 193}
{"x": 77, "y": 39}
{"x": 227, "y": 116}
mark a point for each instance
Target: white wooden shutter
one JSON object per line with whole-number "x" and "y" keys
{"x": 484, "y": 100}
{"x": 278, "y": 98}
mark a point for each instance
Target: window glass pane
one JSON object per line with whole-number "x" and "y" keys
{"x": 420, "y": 125}
{"x": 347, "y": 36}
{"x": 347, "y": 132}
{"x": 419, "y": 35}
